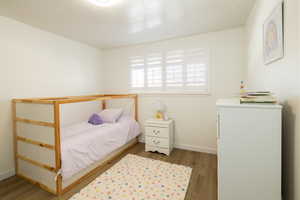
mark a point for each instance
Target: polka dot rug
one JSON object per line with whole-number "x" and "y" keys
{"x": 139, "y": 178}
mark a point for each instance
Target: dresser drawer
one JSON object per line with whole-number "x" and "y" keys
{"x": 157, "y": 132}
{"x": 159, "y": 142}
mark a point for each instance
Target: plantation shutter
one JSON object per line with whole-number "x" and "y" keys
{"x": 172, "y": 71}
{"x": 137, "y": 65}
{"x": 197, "y": 69}
{"x": 154, "y": 71}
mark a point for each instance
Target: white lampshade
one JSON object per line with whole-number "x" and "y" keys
{"x": 159, "y": 106}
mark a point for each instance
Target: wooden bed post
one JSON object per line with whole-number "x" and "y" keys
{"x": 57, "y": 147}
{"x": 136, "y": 107}
{"x": 14, "y": 126}
{"x": 103, "y": 104}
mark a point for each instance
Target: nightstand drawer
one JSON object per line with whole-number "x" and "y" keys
{"x": 159, "y": 142}
{"x": 157, "y": 132}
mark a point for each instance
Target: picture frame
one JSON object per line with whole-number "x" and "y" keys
{"x": 273, "y": 35}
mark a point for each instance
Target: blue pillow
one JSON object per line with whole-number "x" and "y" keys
{"x": 95, "y": 119}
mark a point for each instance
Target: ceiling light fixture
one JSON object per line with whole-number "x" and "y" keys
{"x": 104, "y": 3}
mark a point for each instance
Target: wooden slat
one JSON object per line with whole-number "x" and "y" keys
{"x": 35, "y": 122}
{"x": 44, "y": 187}
{"x": 92, "y": 172}
{"x": 123, "y": 97}
{"x": 47, "y": 167}
{"x": 48, "y": 146}
{"x": 77, "y": 100}
{"x": 34, "y": 101}
{"x": 15, "y": 134}
{"x": 73, "y": 99}
{"x": 57, "y": 146}
{"x": 127, "y": 95}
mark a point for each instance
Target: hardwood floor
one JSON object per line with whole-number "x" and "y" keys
{"x": 203, "y": 183}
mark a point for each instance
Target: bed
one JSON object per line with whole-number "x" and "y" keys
{"x": 84, "y": 144}
{"x": 57, "y": 157}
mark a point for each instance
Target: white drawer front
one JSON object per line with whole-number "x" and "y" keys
{"x": 157, "y": 132}
{"x": 159, "y": 142}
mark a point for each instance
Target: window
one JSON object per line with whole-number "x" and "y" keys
{"x": 171, "y": 72}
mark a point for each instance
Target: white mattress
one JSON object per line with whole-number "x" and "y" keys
{"x": 83, "y": 144}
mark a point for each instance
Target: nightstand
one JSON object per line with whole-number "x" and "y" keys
{"x": 159, "y": 136}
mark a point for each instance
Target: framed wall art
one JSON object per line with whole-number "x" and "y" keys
{"x": 273, "y": 41}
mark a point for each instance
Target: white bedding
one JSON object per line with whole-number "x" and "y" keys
{"x": 83, "y": 144}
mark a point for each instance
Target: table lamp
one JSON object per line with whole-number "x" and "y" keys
{"x": 160, "y": 110}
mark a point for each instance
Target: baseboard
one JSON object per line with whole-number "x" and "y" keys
{"x": 142, "y": 139}
{"x": 7, "y": 174}
{"x": 196, "y": 148}
{"x": 189, "y": 147}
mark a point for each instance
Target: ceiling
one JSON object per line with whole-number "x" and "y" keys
{"x": 128, "y": 21}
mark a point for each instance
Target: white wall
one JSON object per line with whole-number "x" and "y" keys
{"x": 194, "y": 115}
{"x": 36, "y": 63}
{"x": 281, "y": 77}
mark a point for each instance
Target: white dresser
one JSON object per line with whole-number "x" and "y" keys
{"x": 159, "y": 136}
{"x": 249, "y": 151}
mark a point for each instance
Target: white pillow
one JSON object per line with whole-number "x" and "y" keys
{"x": 111, "y": 115}
{"x": 128, "y": 110}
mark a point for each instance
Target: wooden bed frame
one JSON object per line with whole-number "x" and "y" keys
{"x": 36, "y": 130}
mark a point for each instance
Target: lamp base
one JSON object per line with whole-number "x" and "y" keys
{"x": 159, "y": 116}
